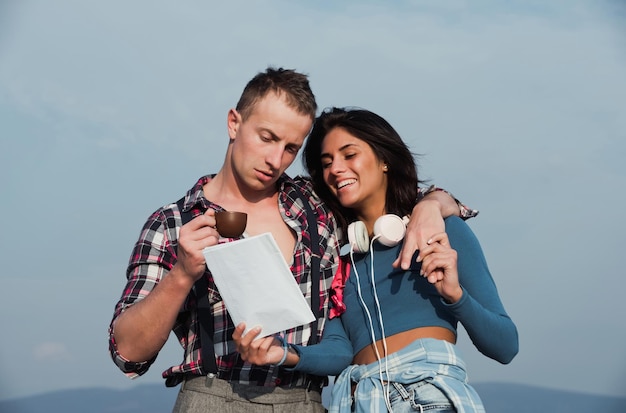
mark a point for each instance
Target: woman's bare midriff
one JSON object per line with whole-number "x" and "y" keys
{"x": 399, "y": 341}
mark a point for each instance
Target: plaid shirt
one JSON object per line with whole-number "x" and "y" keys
{"x": 154, "y": 256}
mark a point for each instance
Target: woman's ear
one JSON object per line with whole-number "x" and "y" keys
{"x": 233, "y": 121}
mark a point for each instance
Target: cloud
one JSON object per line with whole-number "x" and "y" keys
{"x": 51, "y": 352}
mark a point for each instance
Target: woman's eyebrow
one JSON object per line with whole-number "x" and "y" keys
{"x": 344, "y": 147}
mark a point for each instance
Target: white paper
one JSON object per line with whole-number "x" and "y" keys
{"x": 256, "y": 284}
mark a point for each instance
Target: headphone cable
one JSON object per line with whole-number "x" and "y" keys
{"x": 371, "y": 323}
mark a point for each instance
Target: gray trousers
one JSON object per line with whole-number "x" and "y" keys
{"x": 221, "y": 396}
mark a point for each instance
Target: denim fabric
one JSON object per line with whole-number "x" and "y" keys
{"x": 434, "y": 361}
{"x": 421, "y": 396}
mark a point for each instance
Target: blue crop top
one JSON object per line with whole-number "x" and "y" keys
{"x": 408, "y": 300}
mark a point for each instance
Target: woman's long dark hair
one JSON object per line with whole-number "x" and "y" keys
{"x": 387, "y": 145}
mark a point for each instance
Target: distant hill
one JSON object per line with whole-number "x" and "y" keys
{"x": 517, "y": 398}
{"x": 155, "y": 398}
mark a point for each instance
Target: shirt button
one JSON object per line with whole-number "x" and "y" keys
{"x": 288, "y": 213}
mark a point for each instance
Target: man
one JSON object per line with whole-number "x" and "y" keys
{"x": 266, "y": 131}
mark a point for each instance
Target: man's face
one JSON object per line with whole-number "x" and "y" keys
{"x": 267, "y": 142}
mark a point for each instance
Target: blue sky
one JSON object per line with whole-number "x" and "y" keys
{"x": 110, "y": 110}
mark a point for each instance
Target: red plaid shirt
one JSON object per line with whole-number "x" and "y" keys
{"x": 154, "y": 256}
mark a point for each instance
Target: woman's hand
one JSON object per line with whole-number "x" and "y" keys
{"x": 439, "y": 266}
{"x": 259, "y": 351}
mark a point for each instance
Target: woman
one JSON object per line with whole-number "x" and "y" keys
{"x": 392, "y": 333}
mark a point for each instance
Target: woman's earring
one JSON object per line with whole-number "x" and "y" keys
{"x": 385, "y": 168}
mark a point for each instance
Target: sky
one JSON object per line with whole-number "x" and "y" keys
{"x": 109, "y": 110}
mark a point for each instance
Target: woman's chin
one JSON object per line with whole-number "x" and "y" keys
{"x": 346, "y": 202}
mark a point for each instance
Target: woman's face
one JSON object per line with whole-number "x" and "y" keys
{"x": 353, "y": 172}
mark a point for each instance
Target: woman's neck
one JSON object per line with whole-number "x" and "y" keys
{"x": 369, "y": 217}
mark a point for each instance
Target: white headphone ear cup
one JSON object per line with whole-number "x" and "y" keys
{"x": 358, "y": 237}
{"x": 389, "y": 229}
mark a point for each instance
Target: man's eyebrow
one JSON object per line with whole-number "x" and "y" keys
{"x": 295, "y": 146}
{"x": 271, "y": 132}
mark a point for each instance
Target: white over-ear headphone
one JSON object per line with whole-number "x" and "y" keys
{"x": 389, "y": 230}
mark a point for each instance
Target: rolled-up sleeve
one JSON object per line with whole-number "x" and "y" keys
{"x": 152, "y": 258}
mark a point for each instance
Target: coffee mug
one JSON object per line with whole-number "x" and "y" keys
{"x": 231, "y": 224}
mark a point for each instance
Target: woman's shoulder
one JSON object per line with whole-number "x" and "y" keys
{"x": 459, "y": 232}
{"x": 455, "y": 223}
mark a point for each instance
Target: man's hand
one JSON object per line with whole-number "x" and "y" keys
{"x": 195, "y": 236}
{"x": 426, "y": 221}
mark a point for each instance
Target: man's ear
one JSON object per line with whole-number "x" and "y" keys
{"x": 233, "y": 122}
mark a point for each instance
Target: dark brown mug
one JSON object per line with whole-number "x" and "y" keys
{"x": 231, "y": 224}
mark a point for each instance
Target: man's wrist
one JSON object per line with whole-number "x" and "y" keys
{"x": 449, "y": 204}
{"x": 442, "y": 201}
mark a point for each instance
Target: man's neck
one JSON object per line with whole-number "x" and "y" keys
{"x": 225, "y": 190}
